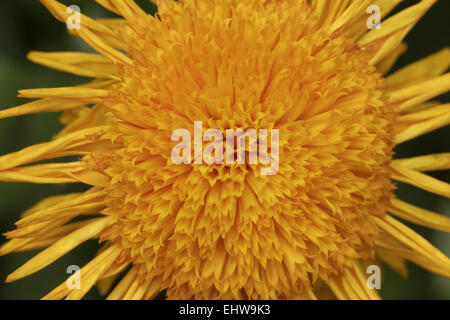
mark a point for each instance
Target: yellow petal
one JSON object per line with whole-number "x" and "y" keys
{"x": 420, "y": 180}
{"x": 105, "y": 285}
{"x": 383, "y": 41}
{"x": 136, "y": 291}
{"x": 357, "y": 29}
{"x": 122, "y": 287}
{"x": 108, "y": 279}
{"x": 44, "y": 105}
{"x": 25, "y": 244}
{"x": 88, "y": 202}
{"x": 79, "y": 63}
{"x": 38, "y": 229}
{"x": 89, "y": 274}
{"x": 393, "y": 260}
{"x": 419, "y": 123}
{"x": 434, "y": 265}
{"x": 416, "y": 94}
{"x": 351, "y": 285}
{"x": 411, "y": 239}
{"x": 421, "y": 128}
{"x": 153, "y": 289}
{"x": 441, "y": 269}
{"x": 431, "y": 162}
{"x": 419, "y": 216}
{"x": 50, "y": 149}
{"x": 59, "y": 11}
{"x": 347, "y": 16}
{"x": 71, "y": 172}
{"x": 425, "y": 112}
{"x": 60, "y": 248}
{"x": 77, "y": 119}
{"x": 54, "y": 104}
{"x": 112, "y": 23}
{"x": 126, "y": 8}
{"x": 385, "y": 65}
{"x": 84, "y": 94}
{"x": 420, "y": 71}
{"x": 102, "y": 47}
{"x": 306, "y": 294}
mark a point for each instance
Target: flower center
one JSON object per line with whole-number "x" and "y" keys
{"x": 227, "y": 228}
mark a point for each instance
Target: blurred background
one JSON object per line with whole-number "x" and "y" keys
{"x": 26, "y": 25}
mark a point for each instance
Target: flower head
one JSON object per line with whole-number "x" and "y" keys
{"x": 309, "y": 69}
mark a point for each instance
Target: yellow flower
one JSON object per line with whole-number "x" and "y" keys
{"x": 311, "y": 69}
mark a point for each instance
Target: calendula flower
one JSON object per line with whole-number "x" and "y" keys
{"x": 312, "y": 70}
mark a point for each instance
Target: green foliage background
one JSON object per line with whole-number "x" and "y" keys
{"x": 26, "y": 25}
